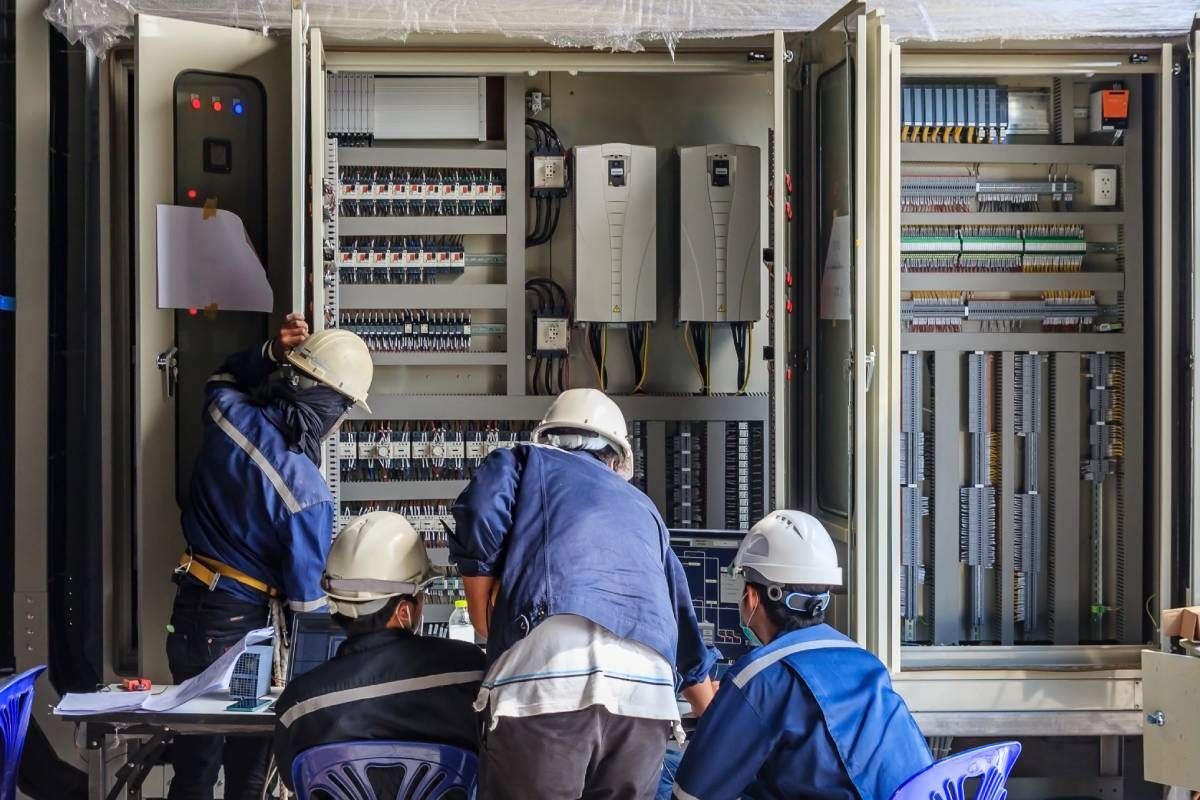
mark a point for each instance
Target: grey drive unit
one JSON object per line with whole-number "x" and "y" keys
{"x": 720, "y": 257}
{"x": 615, "y": 246}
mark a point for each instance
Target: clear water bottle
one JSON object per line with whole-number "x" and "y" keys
{"x": 460, "y": 623}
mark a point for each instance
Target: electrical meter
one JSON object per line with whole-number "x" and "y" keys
{"x": 615, "y": 245}
{"x": 720, "y": 259}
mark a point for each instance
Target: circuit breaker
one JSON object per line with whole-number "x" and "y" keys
{"x": 720, "y": 258}
{"x": 615, "y": 245}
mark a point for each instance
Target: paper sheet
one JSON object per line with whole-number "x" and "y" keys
{"x": 835, "y": 280}
{"x": 78, "y": 704}
{"x": 215, "y": 678}
{"x": 205, "y": 260}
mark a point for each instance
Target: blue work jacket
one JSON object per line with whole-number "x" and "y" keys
{"x": 810, "y": 715}
{"x": 254, "y": 504}
{"x": 564, "y": 534}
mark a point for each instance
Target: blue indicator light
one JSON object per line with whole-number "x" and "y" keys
{"x": 238, "y": 108}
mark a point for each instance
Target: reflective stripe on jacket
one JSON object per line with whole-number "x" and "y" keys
{"x": 809, "y": 715}
{"x": 254, "y": 504}
{"x": 383, "y": 685}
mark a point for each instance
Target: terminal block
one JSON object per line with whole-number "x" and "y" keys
{"x": 744, "y": 474}
{"x": 420, "y": 192}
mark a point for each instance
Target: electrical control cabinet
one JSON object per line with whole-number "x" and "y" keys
{"x": 720, "y": 257}
{"x": 616, "y": 255}
{"x": 1002, "y": 506}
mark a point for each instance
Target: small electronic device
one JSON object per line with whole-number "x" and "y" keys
{"x": 136, "y": 684}
{"x": 615, "y": 233}
{"x": 720, "y": 258}
{"x": 706, "y": 556}
{"x": 315, "y": 639}
{"x": 1108, "y": 110}
{"x": 250, "y": 683}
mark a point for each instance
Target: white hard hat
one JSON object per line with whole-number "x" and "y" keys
{"x": 588, "y": 411}
{"x": 789, "y": 548}
{"x": 339, "y": 359}
{"x": 377, "y": 556}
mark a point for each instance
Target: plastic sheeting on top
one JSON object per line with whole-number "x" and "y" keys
{"x": 630, "y": 24}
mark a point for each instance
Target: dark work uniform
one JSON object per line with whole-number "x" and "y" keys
{"x": 368, "y": 692}
{"x": 265, "y": 510}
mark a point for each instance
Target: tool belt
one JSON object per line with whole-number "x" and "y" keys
{"x": 209, "y": 571}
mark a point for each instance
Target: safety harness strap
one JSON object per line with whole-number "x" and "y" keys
{"x": 209, "y": 571}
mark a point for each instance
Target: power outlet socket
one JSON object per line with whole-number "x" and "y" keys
{"x": 1104, "y": 186}
{"x": 551, "y": 336}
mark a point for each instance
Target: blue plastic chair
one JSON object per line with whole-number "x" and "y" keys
{"x": 946, "y": 779}
{"x": 383, "y": 770}
{"x": 16, "y": 704}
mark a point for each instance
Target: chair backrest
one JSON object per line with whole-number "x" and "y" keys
{"x": 16, "y": 703}
{"x": 946, "y": 779}
{"x": 383, "y": 770}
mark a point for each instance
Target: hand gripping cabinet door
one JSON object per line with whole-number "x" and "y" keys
{"x": 615, "y": 244}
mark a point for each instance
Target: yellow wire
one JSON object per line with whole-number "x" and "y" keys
{"x": 707, "y": 358}
{"x": 749, "y": 350}
{"x": 691, "y": 350}
{"x": 592, "y": 356}
{"x": 645, "y": 361}
{"x": 603, "y": 355}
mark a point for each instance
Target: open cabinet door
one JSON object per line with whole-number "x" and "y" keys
{"x": 176, "y": 350}
{"x": 1171, "y": 683}
{"x": 831, "y": 71}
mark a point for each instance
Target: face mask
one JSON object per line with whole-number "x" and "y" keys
{"x": 750, "y": 635}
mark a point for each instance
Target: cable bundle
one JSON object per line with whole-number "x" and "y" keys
{"x": 639, "y": 348}
{"x": 547, "y": 201}
{"x": 743, "y": 338}
{"x": 698, "y": 341}
{"x": 552, "y": 301}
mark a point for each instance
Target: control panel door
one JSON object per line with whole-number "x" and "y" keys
{"x": 194, "y": 148}
{"x": 1171, "y": 730}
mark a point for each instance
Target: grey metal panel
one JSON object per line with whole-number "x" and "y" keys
{"x": 484, "y": 295}
{"x": 1027, "y": 342}
{"x": 714, "y": 476}
{"x": 1065, "y": 423}
{"x": 1012, "y": 281}
{"x": 514, "y": 135}
{"x": 685, "y": 408}
{"x": 1008, "y": 487}
{"x": 1033, "y": 723}
{"x": 1138, "y": 426}
{"x": 656, "y": 463}
{"x": 1015, "y": 218}
{"x": 481, "y": 157}
{"x": 435, "y": 358}
{"x": 1032, "y": 657}
{"x": 432, "y": 226}
{"x": 1015, "y": 153}
{"x": 401, "y": 490}
{"x": 948, "y": 600}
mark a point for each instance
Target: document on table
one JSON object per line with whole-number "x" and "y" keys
{"x": 206, "y": 261}
{"x": 83, "y": 703}
{"x": 215, "y": 678}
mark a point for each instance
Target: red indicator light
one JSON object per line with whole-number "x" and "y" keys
{"x": 191, "y": 193}
{"x": 195, "y": 102}
{"x": 193, "y": 312}
{"x": 788, "y": 305}
{"x": 216, "y": 105}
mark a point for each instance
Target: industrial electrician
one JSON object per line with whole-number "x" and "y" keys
{"x": 387, "y": 682}
{"x": 258, "y": 519}
{"x": 808, "y": 713}
{"x": 569, "y": 575}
